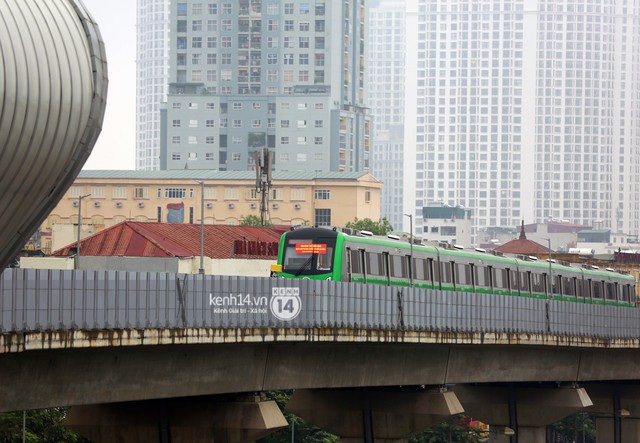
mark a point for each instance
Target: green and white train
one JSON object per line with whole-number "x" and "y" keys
{"x": 325, "y": 254}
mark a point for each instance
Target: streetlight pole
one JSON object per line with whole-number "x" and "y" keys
{"x": 410, "y": 248}
{"x": 79, "y": 227}
{"x": 201, "y": 270}
{"x": 550, "y": 270}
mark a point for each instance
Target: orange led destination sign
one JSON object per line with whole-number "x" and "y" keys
{"x": 311, "y": 248}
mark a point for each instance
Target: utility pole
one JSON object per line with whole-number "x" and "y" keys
{"x": 79, "y": 228}
{"x": 264, "y": 160}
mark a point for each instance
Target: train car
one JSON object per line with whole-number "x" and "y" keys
{"x": 329, "y": 254}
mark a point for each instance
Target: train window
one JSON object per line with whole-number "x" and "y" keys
{"x": 597, "y": 289}
{"x": 568, "y": 286}
{"x": 375, "y": 265}
{"x": 524, "y": 281}
{"x": 625, "y": 293}
{"x": 555, "y": 284}
{"x": 323, "y": 261}
{"x": 434, "y": 270}
{"x": 501, "y": 280}
{"x": 398, "y": 266}
{"x": 356, "y": 264}
{"x": 463, "y": 274}
{"x": 480, "y": 276}
{"x": 610, "y": 291}
{"x": 420, "y": 266}
{"x": 586, "y": 288}
{"x": 538, "y": 283}
{"x": 514, "y": 276}
{"x": 446, "y": 272}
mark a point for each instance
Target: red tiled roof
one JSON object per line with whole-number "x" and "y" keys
{"x": 138, "y": 239}
{"x": 525, "y": 247}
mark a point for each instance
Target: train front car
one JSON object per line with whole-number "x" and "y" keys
{"x": 309, "y": 253}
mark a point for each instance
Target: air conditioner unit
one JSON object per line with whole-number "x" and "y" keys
{"x": 75, "y": 204}
{"x": 297, "y": 206}
{"x": 141, "y": 205}
{"x": 118, "y": 204}
{"x": 231, "y": 205}
{"x": 209, "y": 205}
{"x": 253, "y": 205}
{"x": 274, "y": 206}
{"x": 96, "y": 204}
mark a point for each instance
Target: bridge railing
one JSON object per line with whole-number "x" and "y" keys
{"x": 36, "y": 300}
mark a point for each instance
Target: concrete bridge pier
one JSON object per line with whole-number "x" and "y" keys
{"x": 241, "y": 419}
{"x": 374, "y": 415}
{"x": 617, "y": 411}
{"x": 520, "y": 414}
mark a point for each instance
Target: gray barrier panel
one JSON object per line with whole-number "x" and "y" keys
{"x": 32, "y": 300}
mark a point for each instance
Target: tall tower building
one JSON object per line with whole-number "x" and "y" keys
{"x": 250, "y": 74}
{"x": 528, "y": 110}
{"x": 152, "y": 79}
{"x": 391, "y": 31}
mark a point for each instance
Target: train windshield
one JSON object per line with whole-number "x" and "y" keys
{"x": 308, "y": 256}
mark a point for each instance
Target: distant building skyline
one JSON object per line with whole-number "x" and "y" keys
{"x": 152, "y": 79}
{"x": 529, "y": 110}
{"x": 254, "y": 74}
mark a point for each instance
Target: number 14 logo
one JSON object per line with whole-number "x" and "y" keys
{"x": 285, "y": 303}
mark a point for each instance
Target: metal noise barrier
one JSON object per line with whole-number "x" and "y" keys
{"x": 40, "y": 300}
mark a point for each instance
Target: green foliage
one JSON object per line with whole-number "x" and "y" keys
{"x": 253, "y": 220}
{"x": 303, "y": 432}
{"x": 459, "y": 430}
{"x": 42, "y": 426}
{"x": 579, "y": 427}
{"x": 383, "y": 227}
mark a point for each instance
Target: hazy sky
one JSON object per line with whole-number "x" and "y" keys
{"x": 115, "y": 148}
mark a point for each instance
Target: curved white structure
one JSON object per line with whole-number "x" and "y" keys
{"x": 53, "y": 89}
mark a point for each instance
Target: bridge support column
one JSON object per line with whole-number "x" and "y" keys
{"x": 525, "y": 411}
{"x": 199, "y": 420}
{"x": 394, "y": 415}
{"x": 617, "y": 411}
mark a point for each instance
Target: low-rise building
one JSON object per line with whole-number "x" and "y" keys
{"x": 100, "y": 199}
{"x": 165, "y": 247}
{"x": 448, "y": 224}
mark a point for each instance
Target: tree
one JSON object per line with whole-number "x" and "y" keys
{"x": 458, "y": 430}
{"x": 383, "y": 227}
{"x": 304, "y": 432}
{"x": 253, "y": 220}
{"x": 42, "y": 426}
{"x": 579, "y": 427}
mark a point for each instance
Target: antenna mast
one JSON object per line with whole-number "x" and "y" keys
{"x": 264, "y": 160}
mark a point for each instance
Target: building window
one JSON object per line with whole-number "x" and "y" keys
{"x": 175, "y": 123}
{"x": 119, "y": 192}
{"x": 196, "y": 9}
{"x": 322, "y": 194}
{"x": 210, "y": 123}
{"x": 182, "y": 9}
{"x": 175, "y": 192}
{"x": 323, "y": 217}
{"x": 140, "y": 192}
{"x": 284, "y": 140}
{"x": 237, "y": 123}
{"x": 303, "y": 59}
{"x": 211, "y": 106}
{"x": 318, "y": 124}
{"x": 302, "y": 140}
{"x": 317, "y": 140}
{"x": 97, "y": 192}
{"x": 208, "y": 156}
{"x": 367, "y": 196}
{"x": 297, "y": 194}
{"x": 284, "y": 123}
{"x": 288, "y": 8}
{"x": 209, "y": 139}
{"x": 212, "y": 43}
{"x": 213, "y": 8}
{"x": 196, "y": 42}
{"x": 175, "y": 156}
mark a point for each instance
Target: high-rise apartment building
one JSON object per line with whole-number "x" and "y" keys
{"x": 152, "y": 79}
{"x": 528, "y": 110}
{"x": 248, "y": 74}
{"x": 387, "y": 35}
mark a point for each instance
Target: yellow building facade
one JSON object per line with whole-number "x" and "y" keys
{"x": 104, "y": 198}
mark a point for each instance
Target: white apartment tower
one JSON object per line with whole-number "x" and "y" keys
{"x": 152, "y": 79}
{"x": 528, "y": 110}
{"x": 250, "y": 74}
{"x": 389, "y": 38}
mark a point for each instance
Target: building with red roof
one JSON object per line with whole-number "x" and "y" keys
{"x": 522, "y": 246}
{"x": 143, "y": 246}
